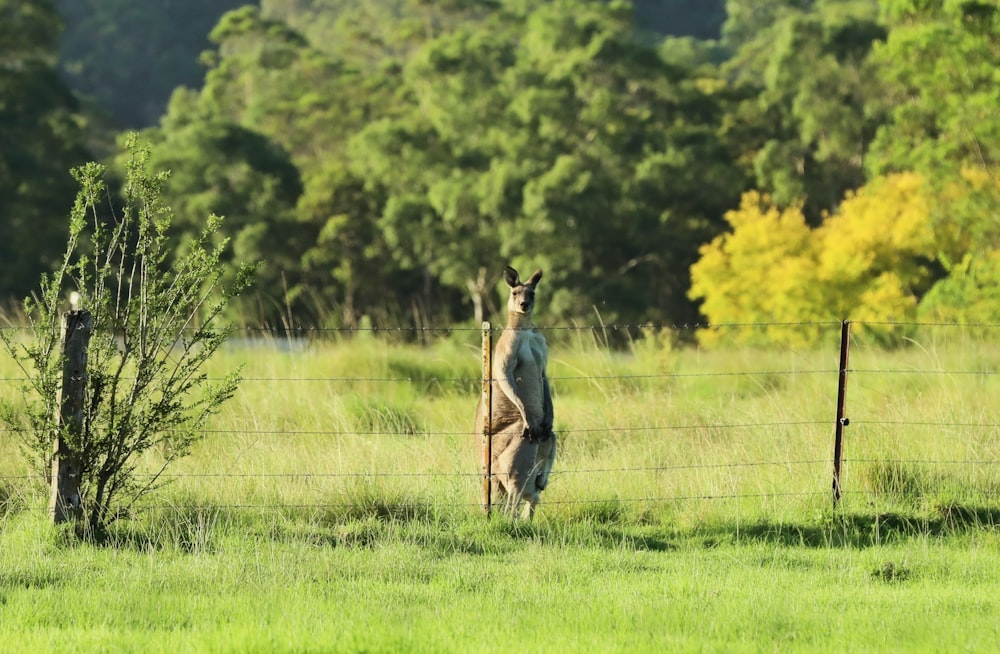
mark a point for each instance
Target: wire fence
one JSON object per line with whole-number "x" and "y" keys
{"x": 750, "y": 426}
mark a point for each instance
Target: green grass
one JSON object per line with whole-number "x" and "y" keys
{"x": 426, "y": 586}
{"x": 334, "y": 506}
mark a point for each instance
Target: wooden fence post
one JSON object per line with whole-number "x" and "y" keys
{"x": 842, "y": 421}
{"x": 487, "y": 400}
{"x": 66, "y": 464}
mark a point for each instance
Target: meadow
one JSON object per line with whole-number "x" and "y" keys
{"x": 335, "y": 505}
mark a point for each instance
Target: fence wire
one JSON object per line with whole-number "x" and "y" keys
{"x": 866, "y": 491}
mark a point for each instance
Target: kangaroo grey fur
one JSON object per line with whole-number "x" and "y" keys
{"x": 524, "y": 445}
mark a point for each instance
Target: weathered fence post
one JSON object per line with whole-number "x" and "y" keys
{"x": 487, "y": 400}
{"x": 66, "y": 464}
{"x": 842, "y": 421}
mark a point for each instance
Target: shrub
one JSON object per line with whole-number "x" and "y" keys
{"x": 154, "y": 327}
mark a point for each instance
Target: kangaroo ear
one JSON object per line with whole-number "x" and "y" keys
{"x": 511, "y": 277}
{"x": 534, "y": 278}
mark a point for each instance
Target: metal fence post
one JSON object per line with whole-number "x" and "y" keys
{"x": 65, "y": 504}
{"x": 487, "y": 401}
{"x": 842, "y": 421}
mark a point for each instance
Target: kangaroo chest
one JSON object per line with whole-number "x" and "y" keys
{"x": 531, "y": 358}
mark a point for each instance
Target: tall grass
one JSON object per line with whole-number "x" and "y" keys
{"x": 649, "y": 435}
{"x": 334, "y": 506}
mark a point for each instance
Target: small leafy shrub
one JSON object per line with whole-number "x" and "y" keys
{"x": 155, "y": 322}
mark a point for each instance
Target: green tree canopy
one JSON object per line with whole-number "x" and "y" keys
{"x": 41, "y": 138}
{"x": 549, "y": 135}
{"x": 813, "y": 81}
{"x": 418, "y": 147}
{"x": 492, "y": 134}
{"x": 129, "y": 56}
{"x": 940, "y": 68}
{"x": 220, "y": 168}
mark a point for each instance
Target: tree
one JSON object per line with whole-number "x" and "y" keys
{"x": 880, "y": 253}
{"x": 969, "y": 295}
{"x": 621, "y": 153}
{"x": 42, "y": 136}
{"x": 128, "y": 57}
{"x": 434, "y": 169}
{"x": 294, "y": 106}
{"x": 348, "y": 270}
{"x": 812, "y": 84}
{"x": 759, "y": 273}
{"x": 366, "y": 35}
{"x": 266, "y": 77}
{"x": 155, "y": 326}
{"x": 549, "y": 135}
{"x": 945, "y": 125}
{"x": 223, "y": 169}
{"x": 940, "y": 121}
{"x": 871, "y": 261}
{"x": 747, "y": 20}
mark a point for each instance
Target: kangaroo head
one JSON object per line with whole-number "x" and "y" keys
{"x": 522, "y": 295}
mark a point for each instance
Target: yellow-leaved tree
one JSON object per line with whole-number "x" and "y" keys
{"x": 772, "y": 278}
{"x": 753, "y": 274}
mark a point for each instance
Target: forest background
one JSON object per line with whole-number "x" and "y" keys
{"x": 670, "y": 161}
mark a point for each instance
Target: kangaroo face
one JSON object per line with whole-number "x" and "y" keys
{"x": 522, "y": 295}
{"x": 522, "y": 299}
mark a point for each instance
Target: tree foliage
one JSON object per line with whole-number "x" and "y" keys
{"x": 871, "y": 261}
{"x": 223, "y": 169}
{"x": 492, "y": 133}
{"x": 939, "y": 66}
{"x": 969, "y": 295}
{"x": 945, "y": 125}
{"x": 128, "y": 56}
{"x": 300, "y": 209}
{"x": 813, "y": 105}
{"x": 41, "y": 138}
{"x": 531, "y": 134}
{"x": 385, "y": 159}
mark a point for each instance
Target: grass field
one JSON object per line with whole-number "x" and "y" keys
{"x": 334, "y": 506}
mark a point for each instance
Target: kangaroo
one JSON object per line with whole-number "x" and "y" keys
{"x": 524, "y": 445}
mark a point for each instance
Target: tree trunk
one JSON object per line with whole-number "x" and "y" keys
{"x": 477, "y": 290}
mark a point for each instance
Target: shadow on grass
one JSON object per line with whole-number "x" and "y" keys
{"x": 208, "y": 529}
{"x": 856, "y": 529}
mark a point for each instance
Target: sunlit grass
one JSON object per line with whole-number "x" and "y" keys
{"x": 334, "y": 505}
{"x": 652, "y": 434}
{"x": 210, "y": 583}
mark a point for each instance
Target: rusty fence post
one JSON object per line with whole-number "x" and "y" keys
{"x": 842, "y": 421}
{"x": 487, "y": 400}
{"x": 66, "y": 464}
